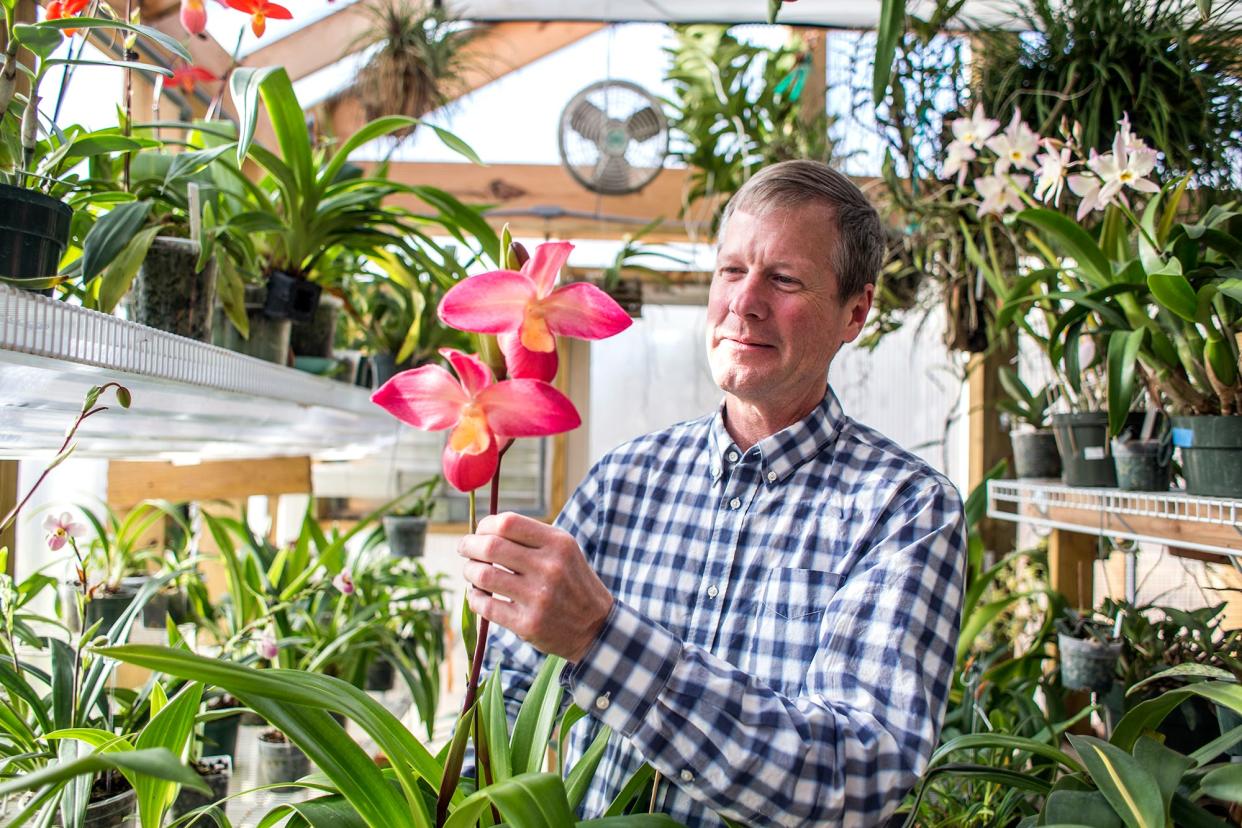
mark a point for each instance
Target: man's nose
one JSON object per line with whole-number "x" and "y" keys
{"x": 748, "y": 299}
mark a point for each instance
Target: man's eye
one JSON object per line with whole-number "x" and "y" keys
{"x": 787, "y": 281}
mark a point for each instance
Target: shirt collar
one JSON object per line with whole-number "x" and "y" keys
{"x": 784, "y": 451}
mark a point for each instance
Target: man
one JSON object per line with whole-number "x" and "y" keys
{"x": 763, "y": 604}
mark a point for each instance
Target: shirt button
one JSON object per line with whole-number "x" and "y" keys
{"x": 601, "y": 703}
{"x": 712, "y": 592}
{"x": 735, "y": 503}
{"x": 687, "y": 777}
{"x": 733, "y": 457}
{"x": 771, "y": 477}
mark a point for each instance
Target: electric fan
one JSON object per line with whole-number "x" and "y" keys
{"x": 613, "y": 137}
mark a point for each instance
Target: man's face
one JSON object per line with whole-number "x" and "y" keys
{"x": 774, "y": 319}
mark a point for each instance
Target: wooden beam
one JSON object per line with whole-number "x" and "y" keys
{"x": 132, "y": 481}
{"x": 1071, "y": 567}
{"x": 989, "y": 443}
{"x": 8, "y": 499}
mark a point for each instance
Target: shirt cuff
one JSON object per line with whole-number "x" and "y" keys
{"x": 623, "y": 672}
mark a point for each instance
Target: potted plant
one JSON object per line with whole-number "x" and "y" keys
{"x": 34, "y": 172}
{"x": 1088, "y": 650}
{"x": 622, "y": 278}
{"x": 405, "y": 526}
{"x": 1034, "y": 447}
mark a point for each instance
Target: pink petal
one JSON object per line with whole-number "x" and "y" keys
{"x": 527, "y": 408}
{"x": 584, "y": 311}
{"x": 55, "y": 542}
{"x": 546, "y": 264}
{"x": 474, "y": 375}
{"x": 427, "y": 398}
{"x": 524, "y": 363}
{"x": 467, "y": 472}
{"x": 50, "y": 523}
{"x": 492, "y": 302}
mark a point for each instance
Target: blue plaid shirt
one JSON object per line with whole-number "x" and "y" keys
{"x": 783, "y": 636}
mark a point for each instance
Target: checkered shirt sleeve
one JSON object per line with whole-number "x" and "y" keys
{"x": 783, "y": 635}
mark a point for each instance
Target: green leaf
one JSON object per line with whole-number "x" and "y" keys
{"x": 154, "y": 35}
{"x": 119, "y": 275}
{"x": 111, "y": 233}
{"x": 496, "y": 725}
{"x": 1079, "y": 808}
{"x": 369, "y": 132}
{"x": 640, "y": 779}
{"x": 1073, "y": 241}
{"x": 244, "y": 84}
{"x": 1164, "y": 764}
{"x": 38, "y": 38}
{"x": 157, "y": 762}
{"x": 532, "y": 800}
{"x": 1123, "y": 351}
{"x": 1174, "y": 292}
{"x": 1224, "y": 783}
{"x": 1129, "y": 788}
{"x": 535, "y": 720}
{"x": 1231, "y": 288}
{"x": 1192, "y": 671}
{"x": 583, "y": 771}
{"x": 888, "y": 33}
{"x": 457, "y": 145}
{"x": 169, "y": 728}
{"x": 1006, "y": 742}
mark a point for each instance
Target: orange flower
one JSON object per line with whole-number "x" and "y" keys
{"x": 260, "y": 11}
{"x": 58, "y": 9}
{"x": 187, "y": 77}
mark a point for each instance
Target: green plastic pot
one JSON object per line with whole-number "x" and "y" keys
{"x": 1143, "y": 465}
{"x": 34, "y": 231}
{"x": 269, "y": 338}
{"x": 1211, "y": 454}
{"x": 1082, "y": 440}
{"x": 170, "y": 294}
{"x": 1035, "y": 454}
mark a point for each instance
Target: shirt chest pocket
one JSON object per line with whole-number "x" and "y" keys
{"x": 798, "y": 594}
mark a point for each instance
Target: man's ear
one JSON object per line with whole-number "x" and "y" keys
{"x": 858, "y": 307}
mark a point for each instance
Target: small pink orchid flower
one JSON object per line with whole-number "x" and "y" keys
{"x": 481, "y": 412}
{"x": 529, "y": 304}
{"x": 60, "y": 529}
{"x": 343, "y": 582}
{"x": 267, "y": 646}
{"x": 1001, "y": 193}
{"x": 1016, "y": 147}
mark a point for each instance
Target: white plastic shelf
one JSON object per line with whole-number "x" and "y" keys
{"x": 1206, "y": 524}
{"x": 189, "y": 398}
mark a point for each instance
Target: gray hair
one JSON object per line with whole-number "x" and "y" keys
{"x": 858, "y": 254}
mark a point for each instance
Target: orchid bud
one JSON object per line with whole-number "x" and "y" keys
{"x": 30, "y": 123}
{"x": 193, "y": 17}
{"x": 517, "y": 256}
{"x": 344, "y": 583}
{"x": 266, "y": 645}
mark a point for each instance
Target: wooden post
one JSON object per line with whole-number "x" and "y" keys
{"x": 1071, "y": 567}
{"x": 989, "y": 443}
{"x": 8, "y": 499}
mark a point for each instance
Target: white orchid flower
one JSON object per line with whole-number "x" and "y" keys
{"x": 1001, "y": 193}
{"x": 959, "y": 157}
{"x": 975, "y": 130}
{"x": 1126, "y": 166}
{"x": 1051, "y": 175}
{"x": 1016, "y": 147}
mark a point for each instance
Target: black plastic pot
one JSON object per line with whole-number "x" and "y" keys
{"x": 315, "y": 337}
{"x": 1211, "y": 454}
{"x": 169, "y": 294}
{"x": 407, "y": 536}
{"x": 107, "y": 607}
{"x": 384, "y": 367}
{"x": 281, "y": 761}
{"x": 1082, "y": 440}
{"x": 1035, "y": 454}
{"x": 220, "y": 770}
{"x": 1143, "y": 465}
{"x": 1087, "y": 664}
{"x": 220, "y": 735}
{"x": 289, "y": 297}
{"x": 269, "y": 338}
{"x": 381, "y": 676}
{"x": 163, "y": 605}
{"x": 34, "y": 231}
{"x": 116, "y": 811}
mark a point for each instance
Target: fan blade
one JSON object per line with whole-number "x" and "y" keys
{"x": 589, "y": 121}
{"x": 643, "y": 124}
{"x": 612, "y": 174}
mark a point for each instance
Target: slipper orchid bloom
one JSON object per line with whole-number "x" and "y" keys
{"x": 193, "y": 17}
{"x": 60, "y": 529}
{"x": 187, "y": 78}
{"x": 527, "y": 303}
{"x": 481, "y": 412}
{"x": 260, "y": 11}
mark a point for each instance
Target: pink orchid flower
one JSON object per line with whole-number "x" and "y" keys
{"x": 343, "y": 582}
{"x": 481, "y": 412}
{"x": 528, "y": 310}
{"x": 60, "y": 529}
{"x": 267, "y": 646}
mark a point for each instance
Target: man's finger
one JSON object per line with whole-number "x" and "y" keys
{"x": 500, "y": 612}
{"x": 495, "y": 549}
{"x": 517, "y": 528}
{"x": 490, "y": 579}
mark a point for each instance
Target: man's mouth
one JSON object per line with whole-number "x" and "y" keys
{"x": 746, "y": 343}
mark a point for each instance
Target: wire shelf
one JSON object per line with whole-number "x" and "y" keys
{"x": 190, "y": 398}
{"x": 1206, "y": 524}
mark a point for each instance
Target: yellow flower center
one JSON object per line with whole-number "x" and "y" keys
{"x": 471, "y": 435}
{"x": 1127, "y": 176}
{"x": 535, "y": 333}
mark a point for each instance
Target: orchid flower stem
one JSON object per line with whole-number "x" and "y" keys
{"x": 80, "y": 595}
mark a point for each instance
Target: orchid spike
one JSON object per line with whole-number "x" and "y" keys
{"x": 481, "y": 412}
{"x": 529, "y": 304}
{"x": 60, "y": 530}
{"x": 1000, "y": 193}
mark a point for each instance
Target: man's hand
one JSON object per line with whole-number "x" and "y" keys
{"x": 558, "y": 604}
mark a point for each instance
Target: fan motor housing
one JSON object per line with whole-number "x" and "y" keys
{"x": 613, "y": 137}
